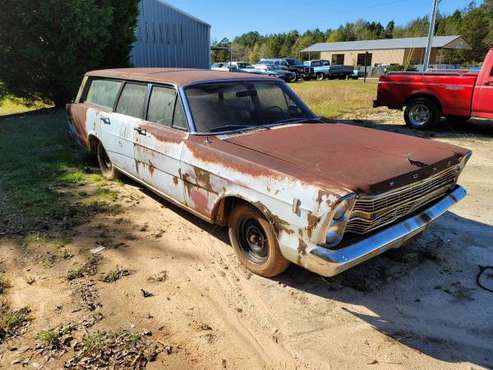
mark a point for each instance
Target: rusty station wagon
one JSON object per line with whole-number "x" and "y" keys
{"x": 243, "y": 151}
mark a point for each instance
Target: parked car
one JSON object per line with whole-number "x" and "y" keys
{"x": 243, "y": 151}
{"x": 322, "y": 69}
{"x": 456, "y": 95}
{"x": 357, "y": 74}
{"x": 277, "y": 71}
{"x": 220, "y": 67}
{"x": 291, "y": 64}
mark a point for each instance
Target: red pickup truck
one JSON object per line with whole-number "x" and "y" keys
{"x": 456, "y": 95}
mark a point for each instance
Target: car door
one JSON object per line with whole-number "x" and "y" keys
{"x": 159, "y": 142}
{"x": 96, "y": 104}
{"x": 483, "y": 96}
{"x": 119, "y": 128}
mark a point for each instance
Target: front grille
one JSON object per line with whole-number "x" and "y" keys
{"x": 372, "y": 212}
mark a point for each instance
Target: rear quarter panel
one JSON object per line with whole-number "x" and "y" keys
{"x": 454, "y": 92}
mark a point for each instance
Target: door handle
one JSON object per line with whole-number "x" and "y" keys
{"x": 141, "y": 131}
{"x": 106, "y": 120}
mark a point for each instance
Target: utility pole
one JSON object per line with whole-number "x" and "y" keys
{"x": 431, "y": 34}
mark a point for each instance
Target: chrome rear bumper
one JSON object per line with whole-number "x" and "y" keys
{"x": 329, "y": 262}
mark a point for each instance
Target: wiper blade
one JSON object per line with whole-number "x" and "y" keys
{"x": 228, "y": 127}
{"x": 300, "y": 120}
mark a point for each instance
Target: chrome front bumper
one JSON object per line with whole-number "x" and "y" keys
{"x": 329, "y": 262}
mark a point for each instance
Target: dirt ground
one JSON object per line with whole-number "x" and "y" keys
{"x": 175, "y": 281}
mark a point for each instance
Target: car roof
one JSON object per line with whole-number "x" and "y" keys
{"x": 175, "y": 76}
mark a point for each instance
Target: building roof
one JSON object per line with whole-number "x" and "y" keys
{"x": 449, "y": 42}
{"x": 164, "y": 2}
{"x": 176, "y": 76}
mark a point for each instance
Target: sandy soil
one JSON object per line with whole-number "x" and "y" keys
{"x": 418, "y": 307}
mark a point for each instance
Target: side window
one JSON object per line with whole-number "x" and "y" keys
{"x": 491, "y": 73}
{"x": 179, "y": 119}
{"x": 103, "y": 92}
{"x": 161, "y": 105}
{"x": 132, "y": 100}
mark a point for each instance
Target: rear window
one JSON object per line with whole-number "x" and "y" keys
{"x": 103, "y": 92}
{"x": 132, "y": 100}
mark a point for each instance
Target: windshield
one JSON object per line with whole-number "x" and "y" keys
{"x": 230, "y": 106}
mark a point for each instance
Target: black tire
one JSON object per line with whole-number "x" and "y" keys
{"x": 255, "y": 243}
{"x": 422, "y": 114}
{"x": 108, "y": 171}
{"x": 457, "y": 120}
{"x": 320, "y": 76}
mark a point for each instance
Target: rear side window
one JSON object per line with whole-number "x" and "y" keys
{"x": 103, "y": 92}
{"x": 162, "y": 105}
{"x": 165, "y": 108}
{"x": 132, "y": 100}
{"x": 491, "y": 73}
{"x": 179, "y": 119}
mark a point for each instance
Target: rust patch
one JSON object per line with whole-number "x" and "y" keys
{"x": 301, "y": 250}
{"x": 278, "y": 223}
{"x": 199, "y": 200}
{"x": 163, "y": 133}
{"x": 297, "y": 207}
{"x": 175, "y": 180}
{"x": 78, "y": 115}
{"x": 312, "y": 223}
{"x": 203, "y": 178}
{"x": 151, "y": 168}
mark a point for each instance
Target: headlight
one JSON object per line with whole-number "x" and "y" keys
{"x": 464, "y": 160}
{"x": 341, "y": 210}
{"x": 340, "y": 218}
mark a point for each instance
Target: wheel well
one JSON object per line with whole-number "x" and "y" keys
{"x": 426, "y": 96}
{"x": 225, "y": 206}
{"x": 93, "y": 141}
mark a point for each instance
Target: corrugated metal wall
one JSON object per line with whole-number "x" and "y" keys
{"x": 168, "y": 38}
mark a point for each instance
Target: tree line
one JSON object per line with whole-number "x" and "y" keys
{"x": 475, "y": 23}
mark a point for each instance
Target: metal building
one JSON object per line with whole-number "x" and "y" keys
{"x": 169, "y": 37}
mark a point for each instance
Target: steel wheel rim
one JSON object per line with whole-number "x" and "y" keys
{"x": 253, "y": 240}
{"x": 420, "y": 114}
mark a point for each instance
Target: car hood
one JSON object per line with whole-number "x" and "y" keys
{"x": 355, "y": 158}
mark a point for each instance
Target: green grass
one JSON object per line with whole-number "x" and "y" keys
{"x": 42, "y": 170}
{"x": 12, "y": 105}
{"x": 52, "y": 337}
{"x": 11, "y": 320}
{"x": 335, "y": 98}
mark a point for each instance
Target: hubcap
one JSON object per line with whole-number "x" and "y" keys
{"x": 253, "y": 240}
{"x": 419, "y": 114}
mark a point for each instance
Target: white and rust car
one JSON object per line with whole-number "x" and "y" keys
{"x": 244, "y": 151}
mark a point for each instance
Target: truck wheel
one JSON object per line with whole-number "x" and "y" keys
{"x": 422, "y": 113}
{"x": 108, "y": 171}
{"x": 320, "y": 76}
{"x": 457, "y": 120}
{"x": 255, "y": 243}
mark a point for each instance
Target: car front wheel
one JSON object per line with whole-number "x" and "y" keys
{"x": 422, "y": 114}
{"x": 107, "y": 169}
{"x": 255, "y": 242}
{"x": 320, "y": 76}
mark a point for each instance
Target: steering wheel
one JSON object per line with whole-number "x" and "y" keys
{"x": 273, "y": 108}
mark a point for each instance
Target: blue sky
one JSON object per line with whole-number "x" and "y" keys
{"x": 234, "y": 17}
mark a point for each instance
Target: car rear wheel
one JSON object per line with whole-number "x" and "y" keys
{"x": 107, "y": 169}
{"x": 255, "y": 242}
{"x": 320, "y": 76}
{"x": 422, "y": 114}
